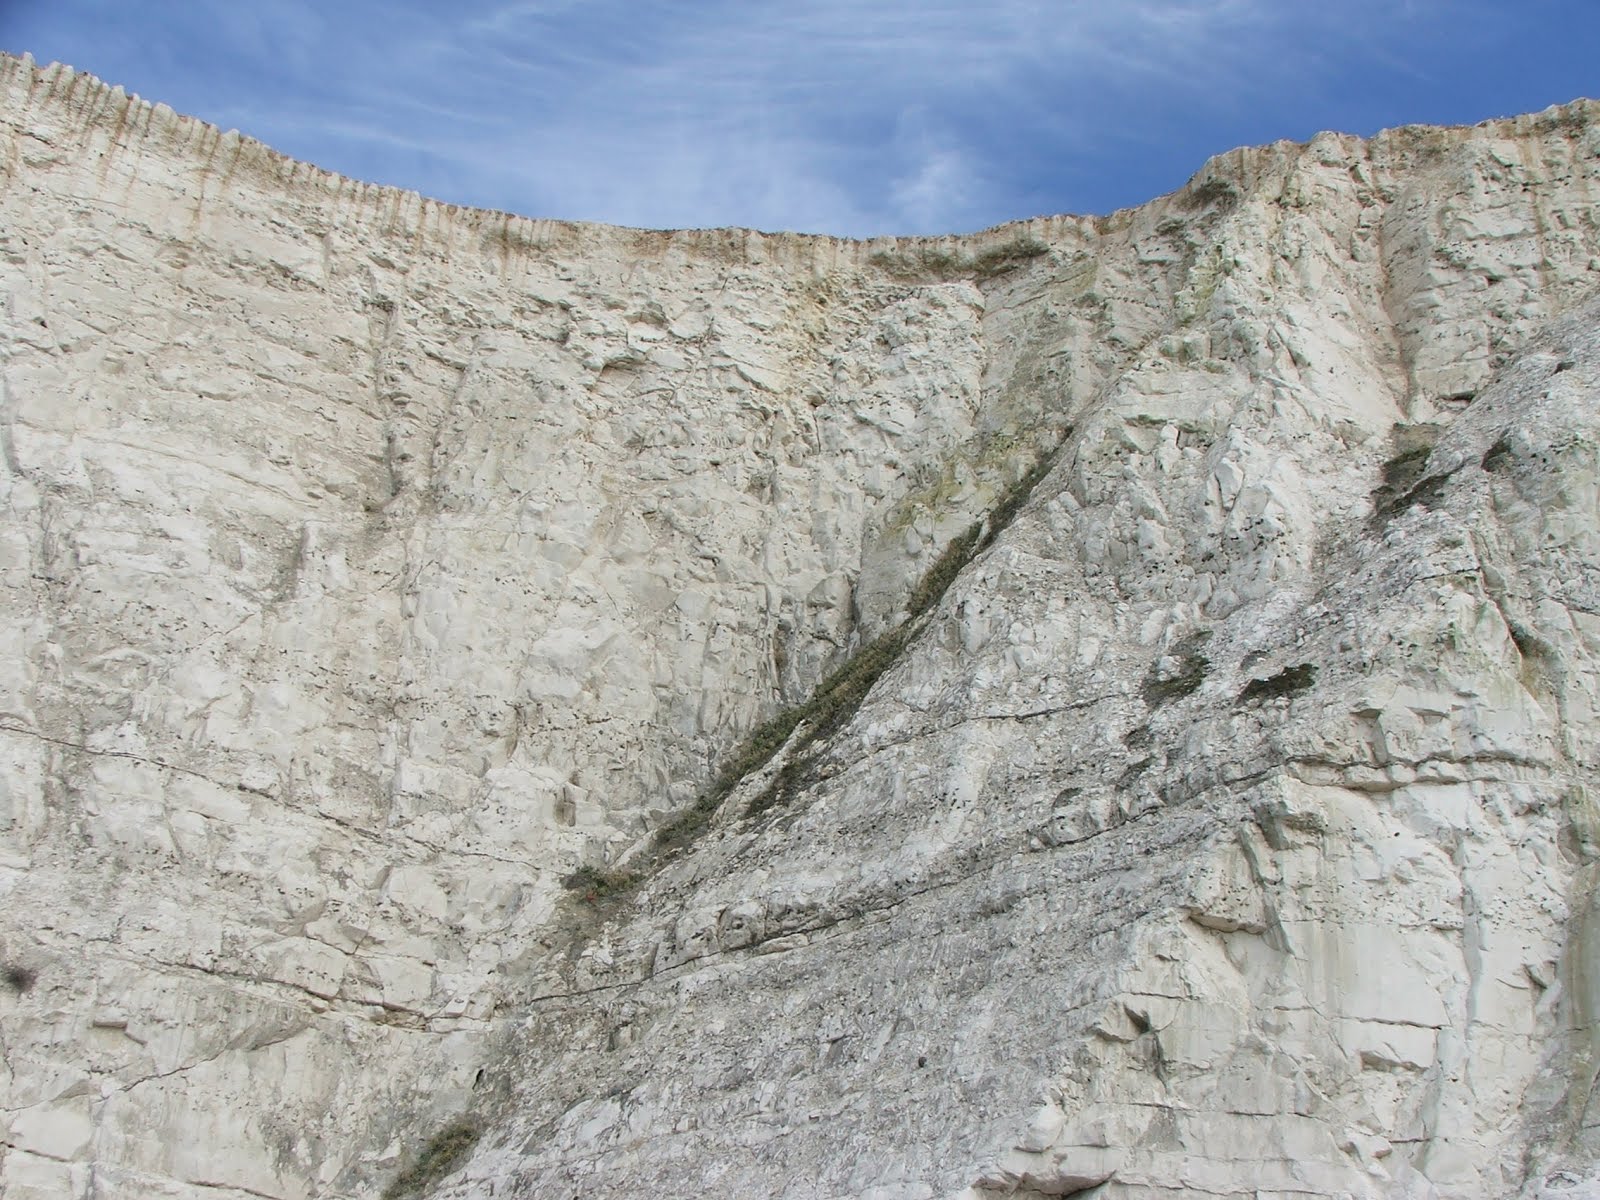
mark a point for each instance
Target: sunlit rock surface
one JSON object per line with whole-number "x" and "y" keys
{"x": 1227, "y": 828}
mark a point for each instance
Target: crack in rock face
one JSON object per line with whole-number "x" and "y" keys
{"x": 492, "y": 707}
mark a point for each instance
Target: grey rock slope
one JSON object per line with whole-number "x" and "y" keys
{"x": 1226, "y": 827}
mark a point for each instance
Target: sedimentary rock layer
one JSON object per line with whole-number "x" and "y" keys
{"x": 371, "y": 565}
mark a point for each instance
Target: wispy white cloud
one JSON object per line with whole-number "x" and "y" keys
{"x": 797, "y": 115}
{"x": 850, "y": 116}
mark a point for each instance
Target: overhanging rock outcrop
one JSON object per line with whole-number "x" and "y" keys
{"x": 1225, "y": 825}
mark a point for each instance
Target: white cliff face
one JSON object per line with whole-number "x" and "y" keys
{"x": 371, "y": 564}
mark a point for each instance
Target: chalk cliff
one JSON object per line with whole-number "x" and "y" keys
{"x": 496, "y": 707}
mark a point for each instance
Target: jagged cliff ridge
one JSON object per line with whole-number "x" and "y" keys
{"x": 1225, "y": 828}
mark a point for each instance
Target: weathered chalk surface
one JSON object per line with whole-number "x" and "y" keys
{"x": 1227, "y": 829}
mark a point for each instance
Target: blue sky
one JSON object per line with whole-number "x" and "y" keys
{"x": 858, "y": 118}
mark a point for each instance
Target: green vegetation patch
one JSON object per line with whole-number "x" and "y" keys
{"x": 1013, "y": 498}
{"x": 791, "y": 777}
{"x": 594, "y": 884}
{"x": 1185, "y": 680}
{"x": 1402, "y": 472}
{"x": 442, "y": 1154}
{"x": 1288, "y": 682}
{"x": 835, "y": 700}
{"x": 936, "y": 580}
{"x": 1406, "y": 481}
{"x": 1427, "y": 491}
{"x": 1218, "y": 193}
{"x": 839, "y": 695}
{"x": 833, "y": 703}
{"x": 944, "y": 262}
{"x": 1007, "y": 256}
